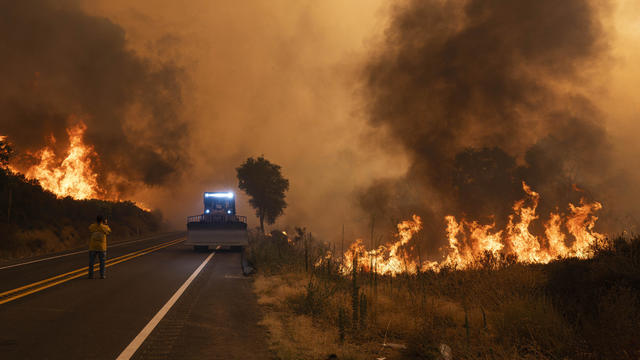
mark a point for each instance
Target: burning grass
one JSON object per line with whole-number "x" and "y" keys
{"x": 565, "y": 235}
{"x": 566, "y": 309}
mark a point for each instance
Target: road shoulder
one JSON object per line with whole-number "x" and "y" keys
{"x": 216, "y": 318}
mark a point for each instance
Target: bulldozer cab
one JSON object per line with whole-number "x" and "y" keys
{"x": 219, "y": 203}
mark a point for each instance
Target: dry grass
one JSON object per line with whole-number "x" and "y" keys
{"x": 295, "y": 335}
{"x": 42, "y": 241}
{"x": 570, "y": 309}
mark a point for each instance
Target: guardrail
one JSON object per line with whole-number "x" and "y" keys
{"x": 216, "y": 219}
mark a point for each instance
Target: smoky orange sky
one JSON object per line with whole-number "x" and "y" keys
{"x": 278, "y": 78}
{"x": 287, "y": 79}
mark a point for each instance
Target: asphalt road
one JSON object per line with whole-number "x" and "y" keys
{"x": 214, "y": 318}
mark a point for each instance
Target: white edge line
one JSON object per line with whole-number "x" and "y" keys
{"x": 128, "y": 352}
{"x": 73, "y": 253}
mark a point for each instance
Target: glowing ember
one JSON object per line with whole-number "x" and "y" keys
{"x": 73, "y": 176}
{"x": 469, "y": 241}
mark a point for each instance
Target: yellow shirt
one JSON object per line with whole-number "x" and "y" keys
{"x": 98, "y": 241}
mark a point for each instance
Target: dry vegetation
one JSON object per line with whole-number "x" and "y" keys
{"x": 568, "y": 309}
{"x": 34, "y": 221}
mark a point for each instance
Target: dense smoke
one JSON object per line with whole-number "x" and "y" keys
{"x": 60, "y": 66}
{"x": 272, "y": 78}
{"x": 468, "y": 98}
{"x": 484, "y": 94}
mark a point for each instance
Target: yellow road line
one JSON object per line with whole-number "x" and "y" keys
{"x": 81, "y": 269}
{"x": 81, "y": 272}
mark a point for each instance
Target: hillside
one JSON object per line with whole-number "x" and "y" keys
{"x": 35, "y": 221}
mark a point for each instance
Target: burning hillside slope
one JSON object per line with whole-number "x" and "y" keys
{"x": 60, "y": 61}
{"x": 66, "y": 167}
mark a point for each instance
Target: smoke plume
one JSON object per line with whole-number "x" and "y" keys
{"x": 60, "y": 66}
{"x": 461, "y": 101}
{"x": 273, "y": 78}
{"x": 484, "y": 94}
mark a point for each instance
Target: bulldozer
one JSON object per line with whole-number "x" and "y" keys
{"x": 218, "y": 225}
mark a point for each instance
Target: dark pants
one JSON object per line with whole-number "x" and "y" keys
{"x": 92, "y": 257}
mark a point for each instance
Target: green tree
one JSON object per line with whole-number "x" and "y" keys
{"x": 264, "y": 183}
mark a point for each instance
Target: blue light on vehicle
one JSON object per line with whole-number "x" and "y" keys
{"x": 228, "y": 195}
{"x": 228, "y": 211}
{"x": 207, "y": 211}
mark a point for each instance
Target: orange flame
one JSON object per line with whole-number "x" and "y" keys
{"x": 580, "y": 225}
{"x": 142, "y": 206}
{"x": 391, "y": 258}
{"x": 72, "y": 176}
{"x": 519, "y": 241}
{"x": 469, "y": 241}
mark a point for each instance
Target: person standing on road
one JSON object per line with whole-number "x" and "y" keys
{"x": 98, "y": 244}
